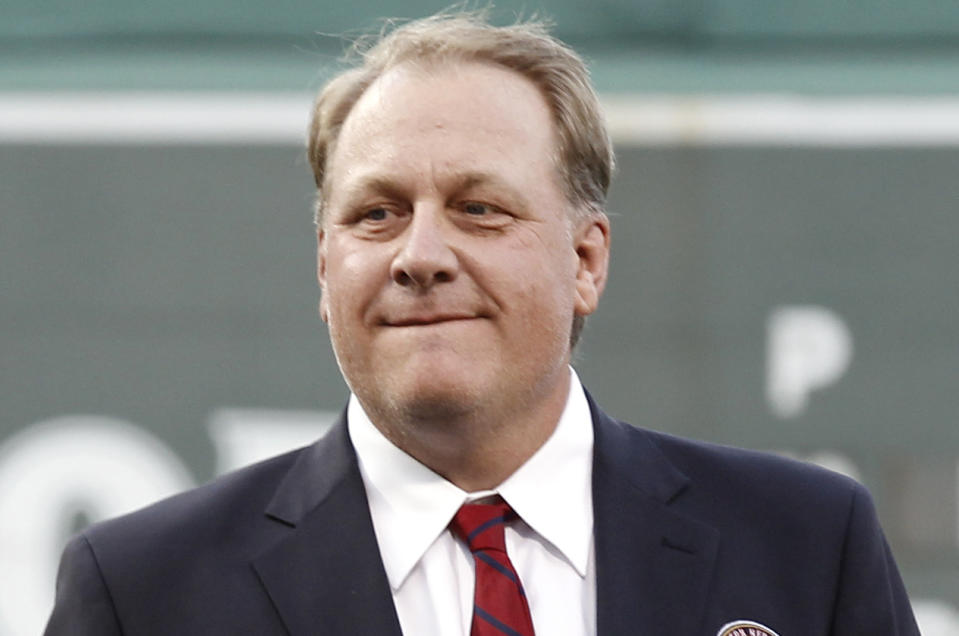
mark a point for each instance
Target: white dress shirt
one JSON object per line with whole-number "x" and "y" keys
{"x": 551, "y": 545}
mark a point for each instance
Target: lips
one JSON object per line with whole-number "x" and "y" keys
{"x": 427, "y": 319}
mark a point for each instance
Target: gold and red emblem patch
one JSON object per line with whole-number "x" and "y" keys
{"x": 745, "y": 628}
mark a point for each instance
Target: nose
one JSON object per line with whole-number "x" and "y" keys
{"x": 426, "y": 256}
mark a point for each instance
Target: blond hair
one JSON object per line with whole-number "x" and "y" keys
{"x": 585, "y": 155}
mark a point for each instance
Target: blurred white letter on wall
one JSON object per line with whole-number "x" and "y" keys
{"x": 808, "y": 348}
{"x": 86, "y": 465}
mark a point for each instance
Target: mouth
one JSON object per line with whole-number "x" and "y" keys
{"x": 427, "y": 320}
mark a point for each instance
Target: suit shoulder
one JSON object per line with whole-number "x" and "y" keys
{"x": 728, "y": 471}
{"x": 205, "y": 510}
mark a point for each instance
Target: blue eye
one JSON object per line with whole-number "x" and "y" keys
{"x": 376, "y": 214}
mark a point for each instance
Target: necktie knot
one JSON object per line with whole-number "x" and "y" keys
{"x": 481, "y": 526}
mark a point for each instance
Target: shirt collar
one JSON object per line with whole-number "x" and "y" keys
{"x": 411, "y": 505}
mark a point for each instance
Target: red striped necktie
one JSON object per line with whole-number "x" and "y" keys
{"x": 499, "y": 603}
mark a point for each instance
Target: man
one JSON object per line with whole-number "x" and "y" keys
{"x": 472, "y": 486}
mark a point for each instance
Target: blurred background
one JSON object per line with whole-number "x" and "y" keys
{"x": 785, "y": 247}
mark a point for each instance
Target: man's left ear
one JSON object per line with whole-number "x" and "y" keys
{"x": 321, "y": 273}
{"x": 591, "y": 241}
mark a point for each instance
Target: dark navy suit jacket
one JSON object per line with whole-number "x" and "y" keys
{"x": 689, "y": 537}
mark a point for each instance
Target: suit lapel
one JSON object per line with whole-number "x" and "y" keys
{"x": 325, "y": 575}
{"x": 653, "y": 564}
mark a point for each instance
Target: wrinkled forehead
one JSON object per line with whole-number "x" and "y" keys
{"x": 484, "y": 83}
{"x": 488, "y": 105}
{"x": 427, "y": 97}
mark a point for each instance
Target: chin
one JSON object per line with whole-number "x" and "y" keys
{"x": 433, "y": 408}
{"x": 439, "y": 398}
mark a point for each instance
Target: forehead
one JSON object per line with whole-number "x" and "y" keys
{"x": 477, "y": 92}
{"x": 451, "y": 113}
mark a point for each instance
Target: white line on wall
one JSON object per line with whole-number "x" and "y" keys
{"x": 638, "y": 120}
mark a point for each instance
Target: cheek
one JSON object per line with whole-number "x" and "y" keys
{"x": 543, "y": 295}
{"x": 546, "y": 273}
{"x": 352, "y": 279}
{"x": 550, "y": 296}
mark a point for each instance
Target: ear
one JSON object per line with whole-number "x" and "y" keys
{"x": 591, "y": 242}
{"x": 321, "y": 273}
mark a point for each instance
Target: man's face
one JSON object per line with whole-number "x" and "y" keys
{"x": 449, "y": 264}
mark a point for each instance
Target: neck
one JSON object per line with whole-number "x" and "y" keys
{"x": 478, "y": 449}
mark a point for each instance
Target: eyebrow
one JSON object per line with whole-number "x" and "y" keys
{"x": 463, "y": 181}
{"x": 471, "y": 180}
{"x": 373, "y": 183}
